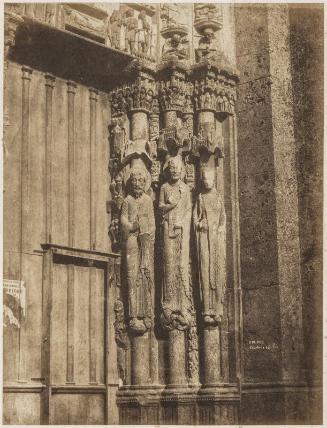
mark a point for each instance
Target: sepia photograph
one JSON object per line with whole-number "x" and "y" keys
{"x": 162, "y": 213}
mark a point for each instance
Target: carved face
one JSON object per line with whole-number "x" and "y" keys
{"x": 176, "y": 39}
{"x": 208, "y": 179}
{"x": 175, "y": 169}
{"x": 137, "y": 182}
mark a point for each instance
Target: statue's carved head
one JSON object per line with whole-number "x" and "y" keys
{"x": 138, "y": 180}
{"x": 208, "y": 178}
{"x": 175, "y": 168}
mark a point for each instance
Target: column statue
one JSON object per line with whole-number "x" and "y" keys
{"x": 209, "y": 223}
{"x": 138, "y": 230}
{"x": 175, "y": 206}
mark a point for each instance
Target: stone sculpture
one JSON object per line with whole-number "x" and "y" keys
{"x": 209, "y": 223}
{"x": 175, "y": 207}
{"x": 138, "y": 229}
{"x": 130, "y": 31}
{"x": 144, "y": 34}
{"x": 176, "y": 47}
{"x": 114, "y": 29}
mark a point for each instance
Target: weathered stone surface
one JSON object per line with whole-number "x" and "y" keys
{"x": 112, "y": 113}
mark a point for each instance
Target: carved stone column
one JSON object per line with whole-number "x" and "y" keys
{"x": 211, "y": 87}
{"x": 172, "y": 92}
{"x": 132, "y": 104}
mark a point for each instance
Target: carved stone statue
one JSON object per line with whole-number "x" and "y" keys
{"x": 176, "y": 47}
{"x": 175, "y": 206}
{"x": 130, "y": 31}
{"x": 114, "y": 29}
{"x": 144, "y": 34}
{"x": 209, "y": 223}
{"x": 206, "y": 50}
{"x": 138, "y": 230}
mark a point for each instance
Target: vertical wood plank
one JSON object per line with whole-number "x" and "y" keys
{"x": 24, "y": 200}
{"x": 102, "y": 176}
{"x": 93, "y": 333}
{"x": 33, "y": 231}
{"x": 71, "y": 91}
{"x": 70, "y": 323}
{"x": 32, "y": 321}
{"x": 82, "y": 168}
{"x": 111, "y": 374}
{"x": 93, "y": 308}
{"x": 93, "y": 167}
{"x": 49, "y": 85}
{"x": 82, "y": 323}
{"x": 60, "y": 180}
{"x": 46, "y": 336}
{"x": 100, "y": 322}
{"x": 59, "y": 324}
{"x": 12, "y": 207}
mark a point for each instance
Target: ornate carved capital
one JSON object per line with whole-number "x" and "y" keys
{"x": 139, "y": 95}
{"x": 174, "y": 90}
{"x": 11, "y": 21}
{"x": 214, "y": 88}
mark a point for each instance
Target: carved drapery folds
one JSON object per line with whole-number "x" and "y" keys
{"x": 209, "y": 224}
{"x": 168, "y": 124}
{"x": 138, "y": 228}
{"x": 175, "y": 206}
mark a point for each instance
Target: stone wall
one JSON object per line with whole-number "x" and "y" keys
{"x": 112, "y": 143}
{"x": 278, "y": 169}
{"x": 306, "y": 43}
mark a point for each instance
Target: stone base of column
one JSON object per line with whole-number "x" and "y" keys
{"x": 218, "y": 404}
{"x": 139, "y": 405}
{"x": 179, "y": 405}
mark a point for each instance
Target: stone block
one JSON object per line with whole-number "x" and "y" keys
{"x": 261, "y": 334}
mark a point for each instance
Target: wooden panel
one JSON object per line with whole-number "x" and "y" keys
{"x": 99, "y": 326}
{"x": 11, "y": 161}
{"x": 60, "y": 165}
{"x": 102, "y": 177}
{"x": 82, "y": 168}
{"x": 31, "y": 326}
{"x": 20, "y": 408}
{"x": 34, "y": 232}
{"x": 83, "y": 409}
{"x": 59, "y": 324}
{"x": 81, "y": 341}
{"x": 10, "y": 332}
{"x": 12, "y": 202}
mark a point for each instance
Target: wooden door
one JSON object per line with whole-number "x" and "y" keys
{"x": 76, "y": 328}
